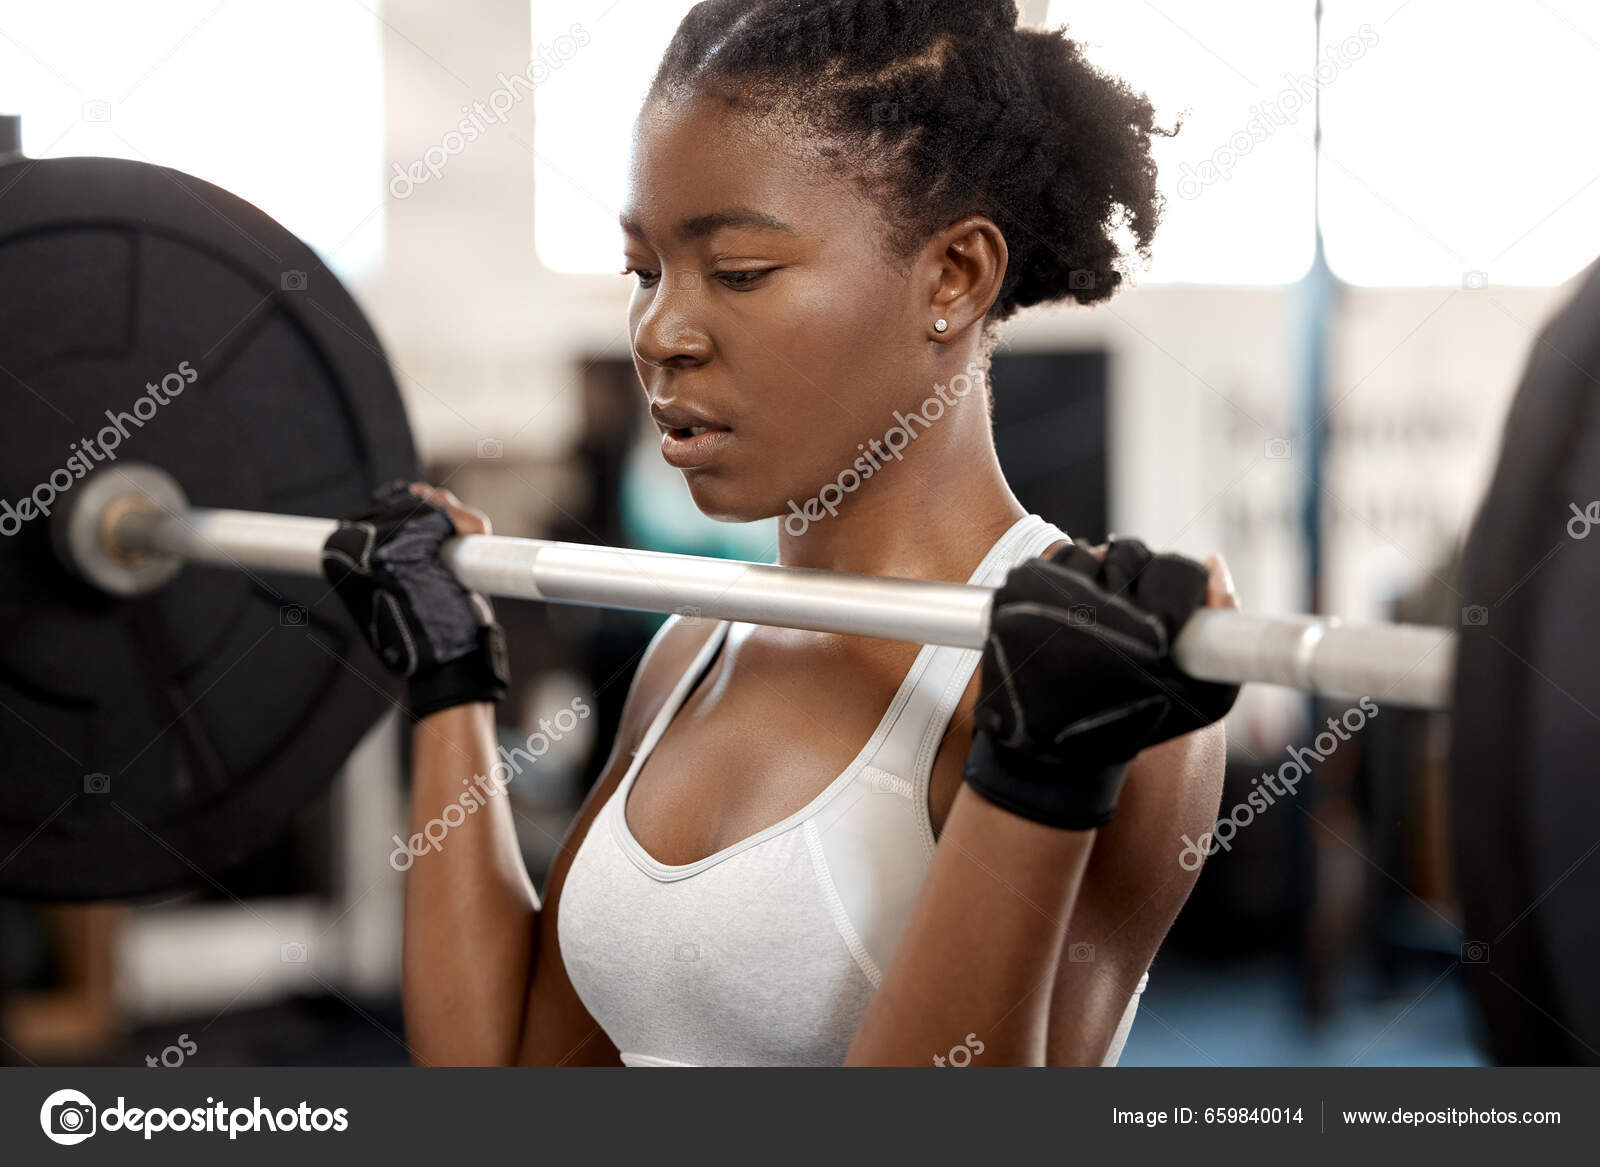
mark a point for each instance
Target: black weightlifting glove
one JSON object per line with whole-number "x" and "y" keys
{"x": 1078, "y": 678}
{"x": 424, "y": 625}
{"x": 1173, "y": 588}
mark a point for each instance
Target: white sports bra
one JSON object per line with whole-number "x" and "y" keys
{"x": 767, "y": 952}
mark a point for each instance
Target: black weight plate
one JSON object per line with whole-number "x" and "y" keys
{"x": 152, "y": 741}
{"x": 1525, "y": 749}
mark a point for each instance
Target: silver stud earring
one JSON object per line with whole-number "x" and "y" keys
{"x": 940, "y": 324}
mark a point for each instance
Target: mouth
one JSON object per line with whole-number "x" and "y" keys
{"x": 693, "y": 446}
{"x": 688, "y": 439}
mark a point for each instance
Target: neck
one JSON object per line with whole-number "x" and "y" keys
{"x": 933, "y": 513}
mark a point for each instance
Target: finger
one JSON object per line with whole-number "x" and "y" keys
{"x": 1076, "y": 558}
{"x": 1220, "y": 592}
{"x": 430, "y": 495}
{"x": 1171, "y": 586}
{"x": 1123, "y": 560}
{"x": 467, "y": 520}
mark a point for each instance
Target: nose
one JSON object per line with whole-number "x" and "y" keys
{"x": 666, "y": 334}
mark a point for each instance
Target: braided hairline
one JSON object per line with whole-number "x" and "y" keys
{"x": 938, "y": 123}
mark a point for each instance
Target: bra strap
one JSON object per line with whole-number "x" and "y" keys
{"x": 943, "y": 672}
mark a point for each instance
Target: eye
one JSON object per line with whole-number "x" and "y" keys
{"x": 647, "y": 278}
{"x": 741, "y": 281}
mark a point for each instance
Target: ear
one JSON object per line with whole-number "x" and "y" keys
{"x": 967, "y": 264}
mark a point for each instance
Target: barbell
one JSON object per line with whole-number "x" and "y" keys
{"x": 162, "y": 341}
{"x": 130, "y": 529}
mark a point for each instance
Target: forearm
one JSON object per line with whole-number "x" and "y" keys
{"x": 980, "y": 951}
{"x": 470, "y": 908}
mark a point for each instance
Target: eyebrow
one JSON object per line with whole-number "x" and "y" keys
{"x": 701, "y": 226}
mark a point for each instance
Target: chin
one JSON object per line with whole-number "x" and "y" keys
{"x": 726, "y": 500}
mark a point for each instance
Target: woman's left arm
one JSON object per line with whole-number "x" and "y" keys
{"x": 1027, "y": 941}
{"x": 977, "y": 966}
{"x": 1138, "y": 879}
{"x": 979, "y": 954}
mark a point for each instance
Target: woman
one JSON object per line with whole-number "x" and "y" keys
{"x": 800, "y": 851}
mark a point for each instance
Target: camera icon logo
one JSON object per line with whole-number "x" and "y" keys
{"x": 293, "y": 952}
{"x": 686, "y": 281}
{"x": 1475, "y": 952}
{"x": 67, "y": 1117}
{"x": 97, "y": 783}
{"x": 1475, "y": 615}
{"x": 1081, "y": 615}
{"x": 98, "y": 110}
{"x": 1080, "y": 280}
{"x": 293, "y": 281}
{"x": 292, "y": 616}
{"x": 1081, "y": 952}
{"x": 491, "y": 448}
{"x": 1474, "y": 281}
{"x": 1278, "y": 449}
{"x": 885, "y": 111}
{"x": 687, "y": 952}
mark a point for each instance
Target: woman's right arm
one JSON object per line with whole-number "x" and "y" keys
{"x": 470, "y": 908}
{"x": 556, "y": 1028}
{"x": 483, "y": 979}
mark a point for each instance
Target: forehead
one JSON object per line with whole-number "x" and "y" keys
{"x": 695, "y": 158}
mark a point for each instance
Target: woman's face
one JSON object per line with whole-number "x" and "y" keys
{"x": 765, "y": 309}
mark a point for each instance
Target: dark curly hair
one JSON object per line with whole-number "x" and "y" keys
{"x": 945, "y": 108}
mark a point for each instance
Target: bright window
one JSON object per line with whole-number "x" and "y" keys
{"x": 1464, "y": 143}
{"x": 278, "y": 101}
{"x": 585, "y": 108}
{"x": 1238, "y": 176}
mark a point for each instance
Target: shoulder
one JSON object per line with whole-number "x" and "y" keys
{"x": 1136, "y": 883}
{"x": 1176, "y": 788}
{"x": 1137, "y": 871}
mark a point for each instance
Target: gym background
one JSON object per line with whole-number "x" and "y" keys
{"x": 1311, "y": 378}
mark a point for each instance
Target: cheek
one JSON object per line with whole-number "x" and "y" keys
{"x": 835, "y": 366}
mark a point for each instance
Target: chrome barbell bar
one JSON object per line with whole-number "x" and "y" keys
{"x": 147, "y": 526}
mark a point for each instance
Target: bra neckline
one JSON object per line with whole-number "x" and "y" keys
{"x": 617, "y": 805}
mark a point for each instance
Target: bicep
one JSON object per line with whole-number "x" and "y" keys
{"x": 1133, "y": 889}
